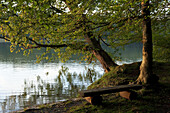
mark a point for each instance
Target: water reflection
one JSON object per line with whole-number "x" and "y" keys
{"x": 40, "y": 91}
{"x": 128, "y": 52}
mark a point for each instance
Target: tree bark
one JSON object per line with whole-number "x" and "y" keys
{"x": 146, "y": 76}
{"x": 104, "y": 59}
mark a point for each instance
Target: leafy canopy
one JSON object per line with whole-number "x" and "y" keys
{"x": 61, "y": 25}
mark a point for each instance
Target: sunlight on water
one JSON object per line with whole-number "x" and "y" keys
{"x": 13, "y": 76}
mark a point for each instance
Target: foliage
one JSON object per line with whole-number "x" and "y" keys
{"x": 62, "y": 25}
{"x": 161, "y": 40}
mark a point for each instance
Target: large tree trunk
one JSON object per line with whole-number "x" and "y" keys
{"x": 146, "y": 76}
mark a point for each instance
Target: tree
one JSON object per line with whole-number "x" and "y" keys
{"x": 72, "y": 26}
{"x": 146, "y": 74}
{"x": 62, "y": 24}
{"x": 146, "y": 66}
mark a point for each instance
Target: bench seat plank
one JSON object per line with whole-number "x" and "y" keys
{"x": 94, "y": 92}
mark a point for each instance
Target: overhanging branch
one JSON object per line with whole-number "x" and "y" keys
{"x": 75, "y": 46}
{"x": 4, "y": 38}
{"x": 38, "y": 45}
{"x": 100, "y": 38}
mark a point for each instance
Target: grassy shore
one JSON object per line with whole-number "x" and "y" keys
{"x": 150, "y": 100}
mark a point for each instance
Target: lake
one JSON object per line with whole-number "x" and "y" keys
{"x": 24, "y": 83}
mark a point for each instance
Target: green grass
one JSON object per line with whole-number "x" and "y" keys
{"x": 150, "y": 101}
{"x": 120, "y": 75}
{"x": 155, "y": 99}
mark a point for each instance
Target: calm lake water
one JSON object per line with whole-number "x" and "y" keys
{"x": 24, "y": 83}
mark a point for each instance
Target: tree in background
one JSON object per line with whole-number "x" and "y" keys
{"x": 76, "y": 27}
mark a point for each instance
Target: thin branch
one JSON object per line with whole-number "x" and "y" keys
{"x": 2, "y": 37}
{"x": 38, "y": 45}
{"x": 6, "y": 23}
{"x": 103, "y": 41}
{"x": 75, "y": 46}
{"x": 131, "y": 12}
{"x": 120, "y": 21}
{"x": 56, "y": 9}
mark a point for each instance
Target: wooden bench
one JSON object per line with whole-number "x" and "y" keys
{"x": 93, "y": 95}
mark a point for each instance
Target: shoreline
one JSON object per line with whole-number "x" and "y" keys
{"x": 58, "y": 105}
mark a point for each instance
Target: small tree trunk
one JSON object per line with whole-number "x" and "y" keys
{"x": 102, "y": 56}
{"x": 146, "y": 75}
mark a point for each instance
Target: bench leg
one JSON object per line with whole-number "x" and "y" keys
{"x": 130, "y": 95}
{"x": 95, "y": 100}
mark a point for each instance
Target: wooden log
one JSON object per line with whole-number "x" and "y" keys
{"x": 94, "y": 92}
{"x": 95, "y": 100}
